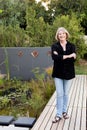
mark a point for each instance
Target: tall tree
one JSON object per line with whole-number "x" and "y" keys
{"x": 13, "y": 12}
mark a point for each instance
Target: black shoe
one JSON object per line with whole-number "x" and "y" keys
{"x": 57, "y": 119}
{"x": 65, "y": 115}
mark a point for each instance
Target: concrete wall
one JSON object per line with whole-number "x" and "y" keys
{"x": 21, "y": 62}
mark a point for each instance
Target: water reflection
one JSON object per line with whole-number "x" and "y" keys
{"x": 12, "y": 127}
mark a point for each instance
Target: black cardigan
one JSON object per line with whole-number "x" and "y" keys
{"x": 63, "y": 69}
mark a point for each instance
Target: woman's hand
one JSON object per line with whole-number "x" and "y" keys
{"x": 72, "y": 55}
{"x": 55, "y": 52}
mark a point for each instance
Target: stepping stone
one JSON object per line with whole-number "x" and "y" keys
{"x": 6, "y": 120}
{"x": 25, "y": 122}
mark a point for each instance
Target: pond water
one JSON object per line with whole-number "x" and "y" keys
{"x": 12, "y": 127}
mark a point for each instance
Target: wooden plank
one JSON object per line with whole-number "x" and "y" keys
{"x": 53, "y": 125}
{"x": 61, "y": 124}
{"x": 40, "y": 119}
{"x": 72, "y": 89}
{"x": 74, "y": 102}
{"x": 81, "y": 93}
{"x": 76, "y": 109}
{"x": 73, "y": 93}
{"x": 78, "y": 91}
{"x": 78, "y": 117}
{"x": 47, "y": 117}
{"x": 72, "y": 121}
{"x": 71, "y": 102}
{"x": 49, "y": 124}
{"x": 67, "y": 122}
{"x": 85, "y": 92}
{"x": 83, "y": 119}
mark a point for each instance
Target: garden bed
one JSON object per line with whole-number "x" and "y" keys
{"x": 25, "y": 98}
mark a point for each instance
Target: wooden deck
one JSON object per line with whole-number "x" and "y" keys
{"x": 76, "y": 109}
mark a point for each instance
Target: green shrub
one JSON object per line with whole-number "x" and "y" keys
{"x": 13, "y": 37}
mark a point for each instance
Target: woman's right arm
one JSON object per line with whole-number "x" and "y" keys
{"x": 55, "y": 55}
{"x": 73, "y": 55}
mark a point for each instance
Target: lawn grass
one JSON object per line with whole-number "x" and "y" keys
{"x": 81, "y": 70}
{"x": 81, "y": 67}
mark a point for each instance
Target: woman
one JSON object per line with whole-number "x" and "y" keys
{"x": 63, "y": 55}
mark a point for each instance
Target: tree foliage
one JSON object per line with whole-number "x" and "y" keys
{"x": 13, "y": 12}
{"x": 28, "y": 23}
{"x": 64, "y": 7}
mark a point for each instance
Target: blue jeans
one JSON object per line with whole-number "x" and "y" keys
{"x": 62, "y": 91}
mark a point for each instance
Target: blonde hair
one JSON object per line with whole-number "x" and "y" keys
{"x": 62, "y": 29}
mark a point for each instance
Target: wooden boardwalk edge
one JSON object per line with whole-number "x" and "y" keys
{"x": 76, "y": 109}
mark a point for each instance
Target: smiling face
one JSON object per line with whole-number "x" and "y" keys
{"x": 62, "y": 36}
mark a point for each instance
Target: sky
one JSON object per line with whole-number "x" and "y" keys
{"x": 44, "y": 4}
{"x": 37, "y": 0}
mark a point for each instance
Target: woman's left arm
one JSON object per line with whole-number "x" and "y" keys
{"x": 71, "y": 56}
